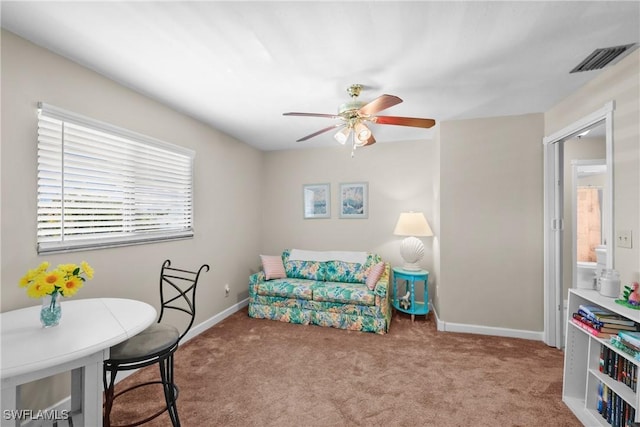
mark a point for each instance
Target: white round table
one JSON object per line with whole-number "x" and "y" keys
{"x": 80, "y": 344}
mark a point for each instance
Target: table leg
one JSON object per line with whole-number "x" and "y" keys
{"x": 76, "y": 390}
{"x": 86, "y": 392}
{"x": 10, "y": 400}
{"x": 93, "y": 391}
{"x": 413, "y": 299}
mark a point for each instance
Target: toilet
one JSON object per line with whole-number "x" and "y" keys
{"x": 586, "y": 275}
{"x": 601, "y": 263}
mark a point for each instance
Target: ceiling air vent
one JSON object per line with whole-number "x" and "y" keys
{"x": 600, "y": 58}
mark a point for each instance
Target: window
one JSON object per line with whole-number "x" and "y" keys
{"x": 102, "y": 186}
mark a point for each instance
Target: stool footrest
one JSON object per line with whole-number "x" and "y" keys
{"x": 155, "y": 415}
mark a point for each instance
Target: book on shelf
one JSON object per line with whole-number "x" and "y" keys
{"x": 621, "y": 327}
{"x": 613, "y": 408}
{"x": 604, "y": 316}
{"x": 629, "y": 325}
{"x": 626, "y": 347}
{"x": 629, "y": 344}
{"x": 618, "y": 366}
{"x": 592, "y": 331}
{"x": 630, "y": 337}
{"x": 600, "y": 406}
{"x": 606, "y": 328}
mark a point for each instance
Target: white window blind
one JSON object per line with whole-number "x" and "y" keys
{"x": 101, "y": 186}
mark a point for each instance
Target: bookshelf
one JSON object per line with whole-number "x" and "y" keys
{"x": 582, "y": 377}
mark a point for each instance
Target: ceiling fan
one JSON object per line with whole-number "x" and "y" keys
{"x": 355, "y": 115}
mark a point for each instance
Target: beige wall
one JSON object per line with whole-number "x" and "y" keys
{"x": 620, "y": 83}
{"x": 227, "y": 186}
{"x": 401, "y": 176}
{"x": 491, "y": 218}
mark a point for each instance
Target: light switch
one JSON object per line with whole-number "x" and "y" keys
{"x": 623, "y": 239}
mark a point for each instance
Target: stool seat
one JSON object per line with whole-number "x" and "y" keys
{"x": 153, "y": 340}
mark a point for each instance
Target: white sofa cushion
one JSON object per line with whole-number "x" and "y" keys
{"x": 324, "y": 256}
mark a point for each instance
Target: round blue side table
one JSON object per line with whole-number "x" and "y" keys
{"x": 411, "y": 277}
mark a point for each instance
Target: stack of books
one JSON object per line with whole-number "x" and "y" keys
{"x": 629, "y": 342}
{"x": 600, "y": 322}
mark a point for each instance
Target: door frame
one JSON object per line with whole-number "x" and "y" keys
{"x": 553, "y": 216}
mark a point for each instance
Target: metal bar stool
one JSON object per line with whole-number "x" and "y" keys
{"x": 156, "y": 344}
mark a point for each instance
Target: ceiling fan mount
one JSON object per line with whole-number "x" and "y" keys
{"x": 354, "y": 90}
{"x": 354, "y": 116}
{"x": 349, "y": 110}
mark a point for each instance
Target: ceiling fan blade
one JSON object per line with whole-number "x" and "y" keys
{"x": 330, "y": 116}
{"x": 380, "y": 103}
{"x": 404, "y": 121}
{"x": 370, "y": 141}
{"x": 327, "y": 129}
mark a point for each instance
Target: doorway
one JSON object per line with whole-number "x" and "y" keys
{"x": 556, "y": 219}
{"x": 588, "y": 191}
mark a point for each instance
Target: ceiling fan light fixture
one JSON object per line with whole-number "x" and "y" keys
{"x": 342, "y": 135}
{"x": 363, "y": 133}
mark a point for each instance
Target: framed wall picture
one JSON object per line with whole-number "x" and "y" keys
{"x": 354, "y": 200}
{"x": 316, "y": 200}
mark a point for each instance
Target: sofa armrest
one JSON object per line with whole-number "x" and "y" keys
{"x": 382, "y": 287}
{"x": 254, "y": 279}
{"x": 257, "y": 278}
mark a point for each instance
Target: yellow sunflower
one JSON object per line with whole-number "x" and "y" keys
{"x": 71, "y": 286}
{"x": 54, "y": 278}
{"x": 29, "y": 277}
{"x": 40, "y": 288}
{"x": 43, "y": 266}
{"x": 68, "y": 269}
{"x": 88, "y": 270}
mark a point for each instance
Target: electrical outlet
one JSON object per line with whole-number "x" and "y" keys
{"x": 226, "y": 290}
{"x": 623, "y": 239}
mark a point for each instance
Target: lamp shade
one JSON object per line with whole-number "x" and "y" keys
{"x": 362, "y": 132}
{"x": 342, "y": 135}
{"x": 412, "y": 224}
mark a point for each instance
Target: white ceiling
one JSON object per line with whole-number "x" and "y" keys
{"x": 239, "y": 65}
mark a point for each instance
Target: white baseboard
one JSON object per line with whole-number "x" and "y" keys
{"x": 443, "y": 326}
{"x": 65, "y": 404}
{"x": 200, "y": 328}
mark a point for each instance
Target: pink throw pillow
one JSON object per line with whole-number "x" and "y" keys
{"x": 273, "y": 267}
{"x": 374, "y": 275}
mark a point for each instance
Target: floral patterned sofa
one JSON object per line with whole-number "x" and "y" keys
{"x": 331, "y": 292}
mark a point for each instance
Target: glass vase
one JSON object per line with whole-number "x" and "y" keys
{"x": 51, "y": 310}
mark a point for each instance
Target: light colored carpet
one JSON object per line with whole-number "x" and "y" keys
{"x": 254, "y": 372}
